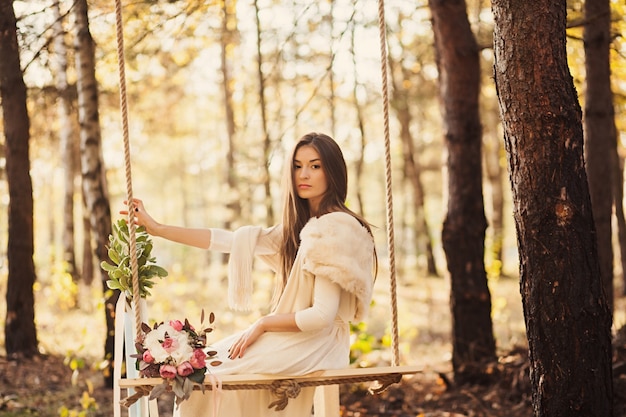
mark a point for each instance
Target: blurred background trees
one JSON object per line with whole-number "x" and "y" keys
{"x": 218, "y": 92}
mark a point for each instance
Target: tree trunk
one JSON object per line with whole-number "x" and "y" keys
{"x": 267, "y": 142}
{"x": 19, "y": 329}
{"x": 464, "y": 227}
{"x": 618, "y": 198}
{"x": 412, "y": 168}
{"x": 568, "y": 321}
{"x": 67, "y": 142}
{"x": 226, "y": 40}
{"x": 495, "y": 177}
{"x": 331, "y": 72}
{"x": 359, "y": 164}
{"x": 599, "y": 124}
{"x": 92, "y": 167}
{"x": 88, "y": 267}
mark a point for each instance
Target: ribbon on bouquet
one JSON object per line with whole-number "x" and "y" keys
{"x": 216, "y": 387}
{"x": 124, "y": 331}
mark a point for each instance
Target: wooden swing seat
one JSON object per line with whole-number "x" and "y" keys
{"x": 385, "y": 375}
{"x": 282, "y": 386}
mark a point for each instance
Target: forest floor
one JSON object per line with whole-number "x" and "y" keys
{"x": 65, "y": 382}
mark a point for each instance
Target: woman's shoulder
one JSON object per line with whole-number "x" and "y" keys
{"x": 334, "y": 217}
{"x": 337, "y": 216}
{"x": 336, "y": 223}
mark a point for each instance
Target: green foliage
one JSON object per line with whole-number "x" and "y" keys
{"x": 76, "y": 364}
{"x": 88, "y": 404}
{"x": 63, "y": 290}
{"x": 119, "y": 271}
{"x": 88, "y": 407}
{"x": 363, "y": 342}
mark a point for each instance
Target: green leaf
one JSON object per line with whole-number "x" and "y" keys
{"x": 197, "y": 376}
{"x": 114, "y": 256}
{"x": 177, "y": 388}
{"x": 107, "y": 266}
{"x": 114, "y": 285}
{"x": 119, "y": 253}
{"x": 158, "y": 390}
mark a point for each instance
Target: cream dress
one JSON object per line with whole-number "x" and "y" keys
{"x": 334, "y": 247}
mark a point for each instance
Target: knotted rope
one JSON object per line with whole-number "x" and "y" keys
{"x": 284, "y": 389}
{"x": 132, "y": 227}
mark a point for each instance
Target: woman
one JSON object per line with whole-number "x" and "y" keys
{"x": 325, "y": 258}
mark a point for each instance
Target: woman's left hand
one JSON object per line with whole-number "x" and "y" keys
{"x": 246, "y": 339}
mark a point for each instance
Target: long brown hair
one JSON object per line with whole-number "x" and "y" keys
{"x": 296, "y": 210}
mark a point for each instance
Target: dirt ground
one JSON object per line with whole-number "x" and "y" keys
{"x": 43, "y": 386}
{"x": 46, "y": 386}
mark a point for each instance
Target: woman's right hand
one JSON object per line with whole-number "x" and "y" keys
{"x": 200, "y": 238}
{"x": 142, "y": 218}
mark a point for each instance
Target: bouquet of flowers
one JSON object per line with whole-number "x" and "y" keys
{"x": 175, "y": 351}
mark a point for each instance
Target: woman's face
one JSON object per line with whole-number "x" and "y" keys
{"x": 309, "y": 176}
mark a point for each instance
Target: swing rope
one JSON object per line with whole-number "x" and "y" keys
{"x": 129, "y": 187}
{"x": 389, "y": 206}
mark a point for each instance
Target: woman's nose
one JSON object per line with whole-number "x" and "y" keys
{"x": 304, "y": 173}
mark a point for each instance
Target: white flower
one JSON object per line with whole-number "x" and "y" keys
{"x": 182, "y": 349}
{"x": 184, "y": 352}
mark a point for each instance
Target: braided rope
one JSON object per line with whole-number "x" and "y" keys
{"x": 129, "y": 187}
{"x": 284, "y": 389}
{"x": 390, "y": 228}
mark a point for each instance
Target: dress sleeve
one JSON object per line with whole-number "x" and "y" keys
{"x": 266, "y": 241}
{"x": 221, "y": 240}
{"x": 322, "y": 313}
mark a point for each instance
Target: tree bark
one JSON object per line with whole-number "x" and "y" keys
{"x": 599, "y": 124}
{"x": 66, "y": 135}
{"x": 464, "y": 227}
{"x": 92, "y": 168}
{"x": 226, "y": 41}
{"x": 412, "y": 167}
{"x": 568, "y": 321}
{"x": 617, "y": 165}
{"x": 493, "y": 152}
{"x": 359, "y": 164}
{"x": 20, "y": 331}
{"x": 267, "y": 142}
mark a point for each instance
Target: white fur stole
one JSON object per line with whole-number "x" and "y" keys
{"x": 337, "y": 247}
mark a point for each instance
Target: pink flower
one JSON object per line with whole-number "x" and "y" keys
{"x": 167, "y": 371}
{"x": 147, "y": 357}
{"x": 184, "y": 369}
{"x": 170, "y": 345}
{"x": 176, "y": 325}
{"x": 198, "y": 359}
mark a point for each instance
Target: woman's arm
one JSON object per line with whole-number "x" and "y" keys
{"x": 272, "y": 323}
{"x": 200, "y": 238}
{"x": 321, "y": 314}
